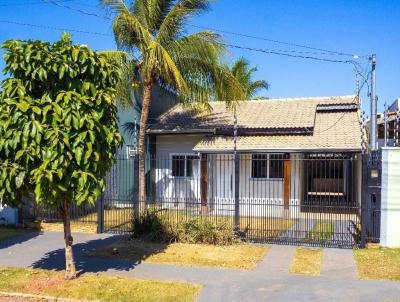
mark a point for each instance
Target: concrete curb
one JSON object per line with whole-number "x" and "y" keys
{"x": 40, "y": 297}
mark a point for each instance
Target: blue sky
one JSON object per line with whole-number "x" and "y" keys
{"x": 353, "y": 26}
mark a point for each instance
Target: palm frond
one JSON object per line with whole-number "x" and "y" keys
{"x": 243, "y": 73}
{"x": 174, "y": 22}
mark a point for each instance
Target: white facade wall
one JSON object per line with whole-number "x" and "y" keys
{"x": 258, "y": 197}
{"x": 171, "y": 190}
{"x": 390, "y": 198}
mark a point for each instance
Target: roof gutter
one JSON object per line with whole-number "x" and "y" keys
{"x": 186, "y": 131}
{"x": 284, "y": 150}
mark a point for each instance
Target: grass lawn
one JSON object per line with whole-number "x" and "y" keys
{"x": 307, "y": 261}
{"x": 321, "y": 232}
{"x": 241, "y": 256}
{"x": 253, "y": 227}
{"x": 378, "y": 263}
{"x": 120, "y": 218}
{"x": 94, "y": 287}
{"x": 7, "y": 232}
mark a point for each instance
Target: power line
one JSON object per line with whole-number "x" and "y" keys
{"x": 28, "y": 3}
{"x": 289, "y": 53}
{"x": 76, "y": 9}
{"x": 324, "y": 51}
{"x": 277, "y": 52}
{"x": 266, "y": 51}
{"x": 56, "y": 28}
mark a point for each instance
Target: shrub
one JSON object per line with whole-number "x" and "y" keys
{"x": 155, "y": 226}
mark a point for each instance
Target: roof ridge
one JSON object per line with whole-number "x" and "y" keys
{"x": 311, "y": 98}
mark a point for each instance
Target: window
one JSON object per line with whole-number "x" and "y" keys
{"x": 267, "y": 166}
{"x": 183, "y": 165}
{"x": 131, "y": 151}
{"x": 276, "y": 166}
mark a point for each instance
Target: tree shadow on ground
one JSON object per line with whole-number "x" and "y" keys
{"x": 87, "y": 261}
{"x": 21, "y": 238}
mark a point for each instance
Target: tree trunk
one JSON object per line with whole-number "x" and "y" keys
{"x": 70, "y": 270}
{"x": 142, "y": 145}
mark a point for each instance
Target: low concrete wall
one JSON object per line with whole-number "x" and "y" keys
{"x": 390, "y": 198}
{"x": 8, "y": 215}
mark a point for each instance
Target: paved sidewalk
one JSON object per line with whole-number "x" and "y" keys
{"x": 270, "y": 281}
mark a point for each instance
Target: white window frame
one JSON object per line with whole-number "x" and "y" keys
{"x": 171, "y": 155}
{"x": 268, "y": 165}
{"x": 131, "y": 151}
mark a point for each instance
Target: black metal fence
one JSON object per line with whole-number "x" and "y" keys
{"x": 312, "y": 199}
{"x": 84, "y": 213}
{"x": 309, "y": 199}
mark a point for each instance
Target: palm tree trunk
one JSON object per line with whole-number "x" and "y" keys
{"x": 142, "y": 145}
{"x": 70, "y": 270}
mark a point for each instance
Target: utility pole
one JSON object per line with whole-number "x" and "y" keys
{"x": 373, "y": 122}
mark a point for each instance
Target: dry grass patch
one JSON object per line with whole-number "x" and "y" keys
{"x": 7, "y": 232}
{"x": 378, "y": 263}
{"x": 321, "y": 232}
{"x": 76, "y": 227}
{"x": 94, "y": 287}
{"x": 120, "y": 218}
{"x": 240, "y": 256}
{"x": 307, "y": 261}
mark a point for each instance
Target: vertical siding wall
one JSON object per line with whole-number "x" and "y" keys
{"x": 255, "y": 194}
{"x": 171, "y": 190}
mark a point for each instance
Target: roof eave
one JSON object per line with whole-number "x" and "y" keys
{"x": 180, "y": 131}
{"x": 282, "y": 150}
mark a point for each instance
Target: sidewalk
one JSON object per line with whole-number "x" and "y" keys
{"x": 270, "y": 281}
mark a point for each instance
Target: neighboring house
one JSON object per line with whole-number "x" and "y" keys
{"x": 299, "y": 154}
{"x": 392, "y": 126}
{"x": 121, "y": 181}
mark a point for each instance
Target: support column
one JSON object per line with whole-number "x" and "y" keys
{"x": 287, "y": 173}
{"x": 390, "y": 198}
{"x": 204, "y": 183}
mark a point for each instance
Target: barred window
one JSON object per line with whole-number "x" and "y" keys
{"x": 267, "y": 166}
{"x": 182, "y": 165}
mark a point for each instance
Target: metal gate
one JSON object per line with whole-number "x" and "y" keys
{"x": 371, "y": 206}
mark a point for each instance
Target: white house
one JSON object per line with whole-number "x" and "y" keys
{"x": 295, "y": 155}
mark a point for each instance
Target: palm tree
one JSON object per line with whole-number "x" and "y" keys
{"x": 243, "y": 73}
{"x": 153, "y": 32}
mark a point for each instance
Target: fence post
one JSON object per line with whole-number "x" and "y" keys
{"x": 364, "y": 201}
{"x": 204, "y": 183}
{"x": 100, "y": 214}
{"x": 237, "y": 193}
{"x": 136, "y": 202}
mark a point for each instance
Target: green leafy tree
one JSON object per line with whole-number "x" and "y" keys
{"x": 244, "y": 73}
{"x": 153, "y": 32}
{"x": 58, "y": 126}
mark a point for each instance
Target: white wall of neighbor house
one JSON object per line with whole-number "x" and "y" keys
{"x": 390, "y": 198}
{"x": 8, "y": 215}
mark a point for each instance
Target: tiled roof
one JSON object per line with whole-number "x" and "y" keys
{"x": 333, "y": 130}
{"x": 298, "y": 123}
{"x": 271, "y": 113}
